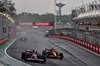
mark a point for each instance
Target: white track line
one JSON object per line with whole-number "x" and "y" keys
{"x": 14, "y": 58}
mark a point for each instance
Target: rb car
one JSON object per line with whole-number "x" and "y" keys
{"x": 23, "y": 39}
{"x": 32, "y": 55}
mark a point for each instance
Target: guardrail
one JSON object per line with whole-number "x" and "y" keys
{"x": 83, "y": 43}
{"x": 3, "y": 40}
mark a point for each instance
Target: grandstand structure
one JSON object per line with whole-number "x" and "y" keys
{"x": 87, "y": 15}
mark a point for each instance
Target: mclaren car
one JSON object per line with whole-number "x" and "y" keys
{"x": 51, "y": 53}
{"x": 32, "y": 55}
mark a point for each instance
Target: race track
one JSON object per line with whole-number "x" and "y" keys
{"x": 37, "y": 41}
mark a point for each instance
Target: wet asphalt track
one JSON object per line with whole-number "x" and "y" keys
{"x": 38, "y": 42}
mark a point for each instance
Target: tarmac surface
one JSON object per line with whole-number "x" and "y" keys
{"x": 73, "y": 55}
{"x": 6, "y": 60}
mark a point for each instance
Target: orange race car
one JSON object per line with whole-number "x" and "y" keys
{"x": 51, "y": 53}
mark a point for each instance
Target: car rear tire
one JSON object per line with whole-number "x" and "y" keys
{"x": 44, "y": 58}
{"x": 23, "y": 55}
{"x": 61, "y": 54}
{"x": 44, "y": 52}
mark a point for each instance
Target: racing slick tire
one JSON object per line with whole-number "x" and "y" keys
{"x": 44, "y": 58}
{"x": 23, "y": 55}
{"x": 26, "y": 56}
{"x": 44, "y": 52}
{"x": 61, "y": 54}
{"x": 25, "y": 59}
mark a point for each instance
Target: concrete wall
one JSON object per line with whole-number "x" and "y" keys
{"x": 5, "y": 24}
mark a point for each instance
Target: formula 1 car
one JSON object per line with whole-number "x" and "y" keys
{"x": 51, "y": 53}
{"x": 46, "y": 35}
{"x": 23, "y": 39}
{"x": 32, "y": 55}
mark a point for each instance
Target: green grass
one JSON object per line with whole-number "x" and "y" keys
{"x": 7, "y": 43}
{"x": 96, "y": 53}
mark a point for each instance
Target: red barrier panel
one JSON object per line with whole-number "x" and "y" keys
{"x": 67, "y": 37}
{"x": 73, "y": 39}
{"x": 86, "y": 43}
{"x": 3, "y": 40}
{"x": 79, "y": 41}
{"x": 76, "y": 40}
{"x": 57, "y": 34}
{"x": 97, "y": 48}
{"x": 83, "y": 43}
{"x": 53, "y": 35}
{"x": 61, "y": 37}
{"x": 94, "y": 47}
{"x": 70, "y": 38}
{"x": 64, "y": 37}
{"x": 91, "y": 46}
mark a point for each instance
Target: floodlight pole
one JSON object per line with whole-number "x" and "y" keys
{"x": 55, "y": 16}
